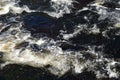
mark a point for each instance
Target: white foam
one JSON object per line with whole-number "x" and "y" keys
{"x": 10, "y": 6}
{"x": 62, "y": 1}
{"x": 61, "y": 7}
{"x": 112, "y": 72}
{"x": 71, "y": 35}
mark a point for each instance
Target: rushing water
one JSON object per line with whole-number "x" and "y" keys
{"x": 62, "y": 35}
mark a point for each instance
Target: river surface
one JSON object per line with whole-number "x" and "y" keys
{"x": 60, "y": 39}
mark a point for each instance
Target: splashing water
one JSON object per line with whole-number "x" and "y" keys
{"x": 81, "y": 44}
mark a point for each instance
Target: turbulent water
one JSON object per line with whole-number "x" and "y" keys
{"x": 62, "y": 35}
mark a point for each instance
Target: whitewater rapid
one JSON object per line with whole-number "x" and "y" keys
{"x": 18, "y": 46}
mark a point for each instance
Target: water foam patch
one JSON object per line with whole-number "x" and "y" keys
{"x": 59, "y": 61}
{"x": 12, "y": 6}
{"x": 61, "y": 7}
